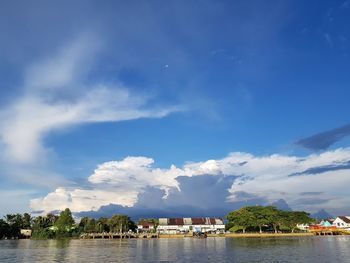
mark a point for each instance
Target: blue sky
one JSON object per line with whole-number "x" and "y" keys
{"x": 185, "y": 83}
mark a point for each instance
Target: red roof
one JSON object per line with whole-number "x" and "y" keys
{"x": 345, "y": 219}
{"x": 198, "y": 221}
{"x": 212, "y": 221}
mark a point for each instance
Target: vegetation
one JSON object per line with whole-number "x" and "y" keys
{"x": 11, "y": 225}
{"x": 251, "y": 218}
{"x": 268, "y": 218}
{"x": 62, "y": 226}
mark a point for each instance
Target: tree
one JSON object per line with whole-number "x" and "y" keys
{"x": 121, "y": 223}
{"x": 26, "y": 221}
{"x": 90, "y": 226}
{"x": 51, "y": 218}
{"x": 40, "y": 222}
{"x": 102, "y": 225}
{"x": 65, "y": 221}
{"x": 14, "y": 222}
{"x": 241, "y": 218}
{"x": 274, "y": 217}
{"x": 4, "y": 228}
{"x": 260, "y": 218}
{"x": 293, "y": 218}
{"x": 82, "y": 224}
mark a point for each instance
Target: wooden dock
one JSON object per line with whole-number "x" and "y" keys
{"x": 329, "y": 232}
{"x": 117, "y": 235}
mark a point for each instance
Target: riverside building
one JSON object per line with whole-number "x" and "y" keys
{"x": 185, "y": 225}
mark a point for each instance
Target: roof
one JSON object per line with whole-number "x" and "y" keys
{"x": 191, "y": 221}
{"x": 144, "y": 223}
{"x": 346, "y": 219}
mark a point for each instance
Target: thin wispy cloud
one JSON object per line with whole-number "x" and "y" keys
{"x": 323, "y": 140}
{"x": 56, "y": 97}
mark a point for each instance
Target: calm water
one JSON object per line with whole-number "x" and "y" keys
{"x": 305, "y": 249}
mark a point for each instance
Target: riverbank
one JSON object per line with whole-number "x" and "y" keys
{"x": 248, "y": 235}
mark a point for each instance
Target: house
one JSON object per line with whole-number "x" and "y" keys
{"x": 26, "y": 233}
{"x": 145, "y": 227}
{"x": 185, "y": 225}
{"x": 304, "y": 227}
{"x": 342, "y": 222}
{"x": 326, "y": 222}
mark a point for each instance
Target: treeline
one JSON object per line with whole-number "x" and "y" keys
{"x": 117, "y": 223}
{"x": 64, "y": 225}
{"x": 12, "y": 224}
{"x": 267, "y": 218}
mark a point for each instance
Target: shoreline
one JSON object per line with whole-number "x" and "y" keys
{"x": 246, "y": 235}
{"x": 177, "y": 236}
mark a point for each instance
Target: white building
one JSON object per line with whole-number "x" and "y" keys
{"x": 342, "y": 222}
{"x": 185, "y": 225}
{"x": 145, "y": 227}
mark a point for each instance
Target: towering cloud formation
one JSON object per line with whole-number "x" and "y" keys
{"x": 311, "y": 182}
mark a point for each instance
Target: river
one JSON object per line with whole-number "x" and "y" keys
{"x": 281, "y": 249}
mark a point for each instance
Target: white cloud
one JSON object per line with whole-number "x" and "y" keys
{"x": 135, "y": 173}
{"x": 264, "y": 177}
{"x": 82, "y": 199}
{"x": 55, "y": 96}
{"x": 269, "y": 177}
{"x": 65, "y": 67}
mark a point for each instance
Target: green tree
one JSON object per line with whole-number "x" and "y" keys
{"x": 14, "y": 222}
{"x": 102, "y": 225}
{"x": 293, "y": 218}
{"x": 121, "y": 223}
{"x": 4, "y": 229}
{"x": 242, "y": 218}
{"x": 90, "y": 226}
{"x": 65, "y": 221}
{"x": 51, "y": 218}
{"x": 82, "y": 224}
{"x": 274, "y": 217}
{"x": 260, "y": 218}
{"x": 26, "y": 221}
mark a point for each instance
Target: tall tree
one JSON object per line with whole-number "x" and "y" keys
{"x": 242, "y": 218}
{"x": 260, "y": 217}
{"x": 26, "y": 221}
{"x": 4, "y": 229}
{"x": 121, "y": 223}
{"x": 293, "y": 218}
{"x": 65, "y": 221}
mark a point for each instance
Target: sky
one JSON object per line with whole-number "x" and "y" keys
{"x": 174, "y": 107}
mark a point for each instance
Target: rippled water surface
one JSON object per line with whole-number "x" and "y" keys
{"x": 296, "y": 249}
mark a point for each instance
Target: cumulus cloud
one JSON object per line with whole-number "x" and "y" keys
{"x": 82, "y": 199}
{"x": 57, "y": 95}
{"x": 236, "y": 180}
{"x": 269, "y": 177}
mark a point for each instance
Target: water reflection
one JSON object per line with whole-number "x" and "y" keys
{"x": 302, "y": 249}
